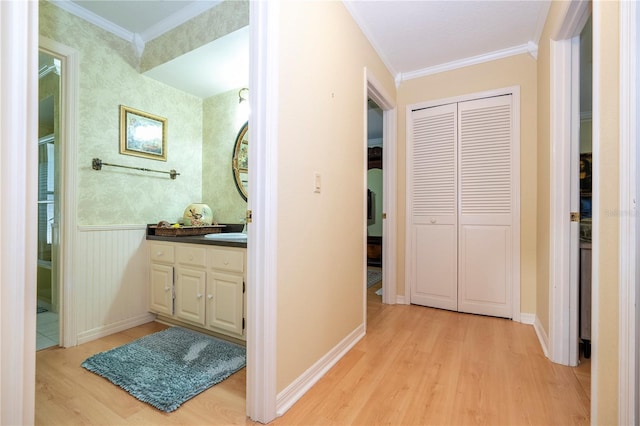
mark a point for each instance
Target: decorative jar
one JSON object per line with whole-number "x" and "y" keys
{"x": 198, "y": 214}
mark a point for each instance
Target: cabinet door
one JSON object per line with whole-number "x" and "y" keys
{"x": 190, "y": 287}
{"x": 225, "y": 302}
{"x": 161, "y": 297}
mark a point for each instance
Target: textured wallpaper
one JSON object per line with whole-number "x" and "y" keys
{"x": 223, "y": 117}
{"x": 216, "y": 22}
{"x": 109, "y": 78}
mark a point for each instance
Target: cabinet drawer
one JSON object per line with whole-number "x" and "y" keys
{"x": 192, "y": 255}
{"x": 226, "y": 260}
{"x": 162, "y": 253}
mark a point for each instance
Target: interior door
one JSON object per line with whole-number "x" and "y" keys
{"x": 433, "y": 212}
{"x": 463, "y": 177}
{"x": 486, "y": 197}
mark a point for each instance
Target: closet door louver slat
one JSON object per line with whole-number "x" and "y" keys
{"x": 485, "y": 160}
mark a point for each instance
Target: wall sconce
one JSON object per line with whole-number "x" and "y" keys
{"x": 243, "y": 95}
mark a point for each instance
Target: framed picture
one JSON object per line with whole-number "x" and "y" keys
{"x": 142, "y": 134}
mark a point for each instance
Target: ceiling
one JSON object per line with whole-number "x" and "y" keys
{"x": 214, "y": 68}
{"x": 416, "y": 38}
{"x": 413, "y": 38}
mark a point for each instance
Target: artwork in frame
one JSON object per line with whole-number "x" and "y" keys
{"x": 142, "y": 134}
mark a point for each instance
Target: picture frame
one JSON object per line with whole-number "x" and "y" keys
{"x": 142, "y": 134}
{"x": 585, "y": 173}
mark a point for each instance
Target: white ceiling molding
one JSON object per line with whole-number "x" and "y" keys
{"x": 369, "y": 35}
{"x": 529, "y": 48}
{"x": 93, "y": 18}
{"x": 177, "y": 19}
{"x": 138, "y": 40}
{"x": 138, "y": 44}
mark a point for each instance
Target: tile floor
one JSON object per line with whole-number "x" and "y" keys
{"x": 47, "y": 330}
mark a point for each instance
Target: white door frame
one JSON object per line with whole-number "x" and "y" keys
{"x": 262, "y": 244}
{"x": 69, "y": 91}
{"x": 629, "y": 314}
{"x": 563, "y": 312}
{"x": 376, "y": 92}
{"x": 18, "y": 247}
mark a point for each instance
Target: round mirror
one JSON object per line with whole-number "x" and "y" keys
{"x": 241, "y": 161}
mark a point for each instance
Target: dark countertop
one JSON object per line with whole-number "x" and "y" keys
{"x": 199, "y": 239}
{"x": 196, "y": 239}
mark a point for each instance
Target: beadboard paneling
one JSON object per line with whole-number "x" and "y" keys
{"x": 111, "y": 288}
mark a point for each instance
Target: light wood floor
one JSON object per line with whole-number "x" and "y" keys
{"x": 416, "y": 366}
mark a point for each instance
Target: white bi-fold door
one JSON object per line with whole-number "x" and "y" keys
{"x": 462, "y": 182}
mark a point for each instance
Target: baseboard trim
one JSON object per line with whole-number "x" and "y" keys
{"x": 526, "y": 318}
{"x": 98, "y": 332}
{"x": 401, "y": 300}
{"x": 293, "y": 392}
{"x": 542, "y": 336}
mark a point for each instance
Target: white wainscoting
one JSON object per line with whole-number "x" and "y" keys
{"x": 111, "y": 274}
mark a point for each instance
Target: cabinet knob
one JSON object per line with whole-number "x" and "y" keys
{"x": 167, "y": 288}
{"x": 160, "y": 253}
{"x": 209, "y": 296}
{"x": 200, "y": 296}
{"x": 433, "y": 220}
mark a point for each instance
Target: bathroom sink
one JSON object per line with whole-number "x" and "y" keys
{"x": 228, "y": 236}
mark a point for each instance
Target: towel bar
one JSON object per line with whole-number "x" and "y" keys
{"x": 97, "y": 164}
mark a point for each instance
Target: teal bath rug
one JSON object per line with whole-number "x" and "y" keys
{"x": 169, "y": 367}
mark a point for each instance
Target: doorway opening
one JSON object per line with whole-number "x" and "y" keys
{"x": 48, "y": 301}
{"x": 383, "y": 144}
{"x": 583, "y": 186}
{"x": 375, "y": 196}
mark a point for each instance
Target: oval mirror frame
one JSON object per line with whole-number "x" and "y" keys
{"x": 240, "y": 161}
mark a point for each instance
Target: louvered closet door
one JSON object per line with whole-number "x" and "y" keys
{"x": 486, "y": 170}
{"x": 432, "y": 188}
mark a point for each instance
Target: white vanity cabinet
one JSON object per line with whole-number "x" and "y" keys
{"x": 200, "y": 285}
{"x": 161, "y": 292}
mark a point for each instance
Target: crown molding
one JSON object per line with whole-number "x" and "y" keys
{"x": 530, "y": 48}
{"x": 138, "y": 40}
{"x": 91, "y": 17}
{"x": 368, "y": 34}
{"x": 177, "y": 19}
